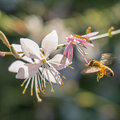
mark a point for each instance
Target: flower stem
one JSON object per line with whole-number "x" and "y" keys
{"x": 4, "y": 39}
{"x": 8, "y": 53}
{"x": 105, "y": 35}
{"x": 95, "y": 37}
{"x": 60, "y": 45}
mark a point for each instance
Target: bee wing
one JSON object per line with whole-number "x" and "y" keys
{"x": 90, "y": 70}
{"x": 107, "y": 58}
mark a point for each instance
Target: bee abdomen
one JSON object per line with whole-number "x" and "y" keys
{"x": 109, "y": 72}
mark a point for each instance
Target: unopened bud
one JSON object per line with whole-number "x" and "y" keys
{"x": 4, "y": 39}
{"x": 88, "y": 30}
{"x": 110, "y": 31}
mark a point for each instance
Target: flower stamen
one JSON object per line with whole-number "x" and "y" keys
{"x": 62, "y": 76}
{"x": 26, "y": 86}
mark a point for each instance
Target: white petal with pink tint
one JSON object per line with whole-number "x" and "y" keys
{"x": 50, "y": 42}
{"x": 14, "y": 67}
{"x": 30, "y": 48}
{"x": 28, "y": 71}
{"x": 17, "y": 47}
{"x": 59, "y": 62}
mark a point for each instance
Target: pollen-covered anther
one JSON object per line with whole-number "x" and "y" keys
{"x": 62, "y": 76}
{"x": 31, "y": 92}
{"x": 39, "y": 99}
{"x": 63, "y": 53}
{"x": 22, "y": 84}
{"x": 38, "y": 90}
{"x": 73, "y": 43}
{"x": 41, "y": 82}
{"x": 43, "y": 91}
{"x": 61, "y": 84}
{"x": 24, "y": 91}
{"x": 71, "y": 67}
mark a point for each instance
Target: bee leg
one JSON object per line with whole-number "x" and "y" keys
{"x": 99, "y": 76}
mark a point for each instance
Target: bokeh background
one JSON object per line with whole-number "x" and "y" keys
{"x": 81, "y": 97}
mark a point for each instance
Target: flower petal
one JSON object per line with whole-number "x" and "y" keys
{"x": 30, "y": 48}
{"x": 27, "y": 71}
{"x": 59, "y": 62}
{"x": 14, "y": 67}
{"x": 70, "y": 53}
{"x": 50, "y": 42}
{"x": 67, "y": 47}
{"x": 90, "y": 34}
{"x": 17, "y": 47}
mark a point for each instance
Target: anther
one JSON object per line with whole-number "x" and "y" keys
{"x": 24, "y": 91}
{"x": 31, "y": 92}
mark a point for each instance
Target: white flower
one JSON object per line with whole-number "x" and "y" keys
{"x": 39, "y": 68}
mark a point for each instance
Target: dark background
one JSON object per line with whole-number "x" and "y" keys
{"x": 81, "y": 97}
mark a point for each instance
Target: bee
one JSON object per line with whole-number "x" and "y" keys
{"x": 100, "y": 66}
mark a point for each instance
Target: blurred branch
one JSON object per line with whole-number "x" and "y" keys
{"x": 63, "y": 45}
{"x": 105, "y": 35}
{"x": 96, "y": 37}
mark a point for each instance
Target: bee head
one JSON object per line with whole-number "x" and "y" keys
{"x": 91, "y": 63}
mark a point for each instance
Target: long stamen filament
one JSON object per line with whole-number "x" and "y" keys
{"x": 80, "y": 51}
{"x": 32, "y": 86}
{"x": 52, "y": 90}
{"x": 62, "y": 76}
{"x": 26, "y": 86}
{"x": 37, "y": 93}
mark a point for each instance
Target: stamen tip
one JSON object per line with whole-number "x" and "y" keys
{"x": 31, "y": 92}
{"x": 39, "y": 100}
{"x": 24, "y": 91}
{"x": 52, "y": 90}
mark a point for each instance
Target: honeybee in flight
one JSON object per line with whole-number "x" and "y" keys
{"x": 100, "y": 66}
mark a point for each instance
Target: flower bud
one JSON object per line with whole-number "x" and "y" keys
{"x": 4, "y": 39}
{"x": 110, "y": 31}
{"x": 88, "y": 30}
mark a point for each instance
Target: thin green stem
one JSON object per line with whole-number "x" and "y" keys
{"x": 95, "y": 37}
{"x": 9, "y": 53}
{"x": 105, "y": 35}
{"x": 63, "y": 45}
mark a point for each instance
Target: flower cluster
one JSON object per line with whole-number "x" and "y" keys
{"x": 38, "y": 68}
{"x": 35, "y": 65}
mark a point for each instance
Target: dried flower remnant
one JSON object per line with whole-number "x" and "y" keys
{"x": 39, "y": 68}
{"x": 79, "y": 42}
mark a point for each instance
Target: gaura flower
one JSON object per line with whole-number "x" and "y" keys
{"x": 79, "y": 42}
{"x": 39, "y": 67}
